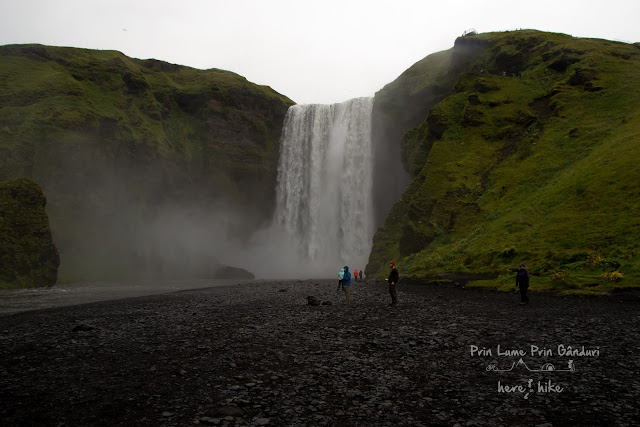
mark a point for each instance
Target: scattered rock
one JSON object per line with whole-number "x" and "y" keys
{"x": 83, "y": 328}
{"x": 311, "y": 300}
{"x": 254, "y": 356}
{"x": 228, "y": 411}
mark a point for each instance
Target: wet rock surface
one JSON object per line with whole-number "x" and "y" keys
{"x": 259, "y": 354}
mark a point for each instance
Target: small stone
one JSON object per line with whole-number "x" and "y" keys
{"x": 229, "y": 411}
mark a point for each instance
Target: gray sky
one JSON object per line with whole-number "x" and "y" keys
{"x": 323, "y": 51}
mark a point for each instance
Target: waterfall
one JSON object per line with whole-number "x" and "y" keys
{"x": 324, "y": 190}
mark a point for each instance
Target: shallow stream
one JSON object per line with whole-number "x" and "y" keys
{"x": 18, "y": 300}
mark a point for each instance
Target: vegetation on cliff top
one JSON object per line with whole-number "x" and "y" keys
{"x": 531, "y": 156}
{"x": 28, "y": 256}
{"x": 113, "y": 140}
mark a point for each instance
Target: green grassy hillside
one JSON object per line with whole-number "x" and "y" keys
{"x": 532, "y": 157}
{"x": 114, "y": 140}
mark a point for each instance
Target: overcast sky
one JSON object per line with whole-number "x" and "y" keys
{"x": 320, "y": 51}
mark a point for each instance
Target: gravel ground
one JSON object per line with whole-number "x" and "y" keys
{"x": 258, "y": 354}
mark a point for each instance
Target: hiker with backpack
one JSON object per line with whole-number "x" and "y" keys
{"x": 346, "y": 284}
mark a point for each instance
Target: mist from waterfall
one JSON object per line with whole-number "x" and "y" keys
{"x": 324, "y": 209}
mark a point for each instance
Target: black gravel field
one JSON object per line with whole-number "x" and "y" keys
{"x": 259, "y": 354}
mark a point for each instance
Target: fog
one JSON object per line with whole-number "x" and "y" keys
{"x": 121, "y": 216}
{"x": 195, "y": 242}
{"x": 185, "y": 242}
{"x": 182, "y": 241}
{"x": 272, "y": 253}
{"x": 122, "y": 220}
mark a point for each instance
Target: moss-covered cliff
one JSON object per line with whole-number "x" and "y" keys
{"x": 28, "y": 256}
{"x": 530, "y": 156}
{"x": 116, "y": 141}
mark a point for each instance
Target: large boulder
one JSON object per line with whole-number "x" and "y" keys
{"x": 227, "y": 272}
{"x": 28, "y": 256}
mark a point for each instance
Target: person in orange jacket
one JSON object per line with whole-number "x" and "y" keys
{"x": 355, "y": 274}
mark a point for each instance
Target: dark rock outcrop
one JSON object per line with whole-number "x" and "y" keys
{"x": 227, "y": 272}
{"x": 28, "y": 256}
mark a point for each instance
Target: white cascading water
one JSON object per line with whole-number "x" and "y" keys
{"x": 324, "y": 192}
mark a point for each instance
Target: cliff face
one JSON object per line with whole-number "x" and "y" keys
{"x": 529, "y": 158}
{"x": 402, "y": 106}
{"x": 399, "y": 107}
{"x": 28, "y": 256}
{"x": 133, "y": 154}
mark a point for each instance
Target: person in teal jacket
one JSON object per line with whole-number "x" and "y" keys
{"x": 346, "y": 284}
{"x": 340, "y": 276}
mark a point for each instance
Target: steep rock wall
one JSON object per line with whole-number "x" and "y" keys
{"x": 530, "y": 159}
{"x": 28, "y": 256}
{"x": 133, "y": 153}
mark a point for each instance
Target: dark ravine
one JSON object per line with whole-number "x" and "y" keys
{"x": 258, "y": 354}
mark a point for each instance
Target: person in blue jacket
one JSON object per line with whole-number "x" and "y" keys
{"x": 346, "y": 284}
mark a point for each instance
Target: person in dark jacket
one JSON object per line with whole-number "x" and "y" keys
{"x": 522, "y": 280}
{"x": 393, "y": 282}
